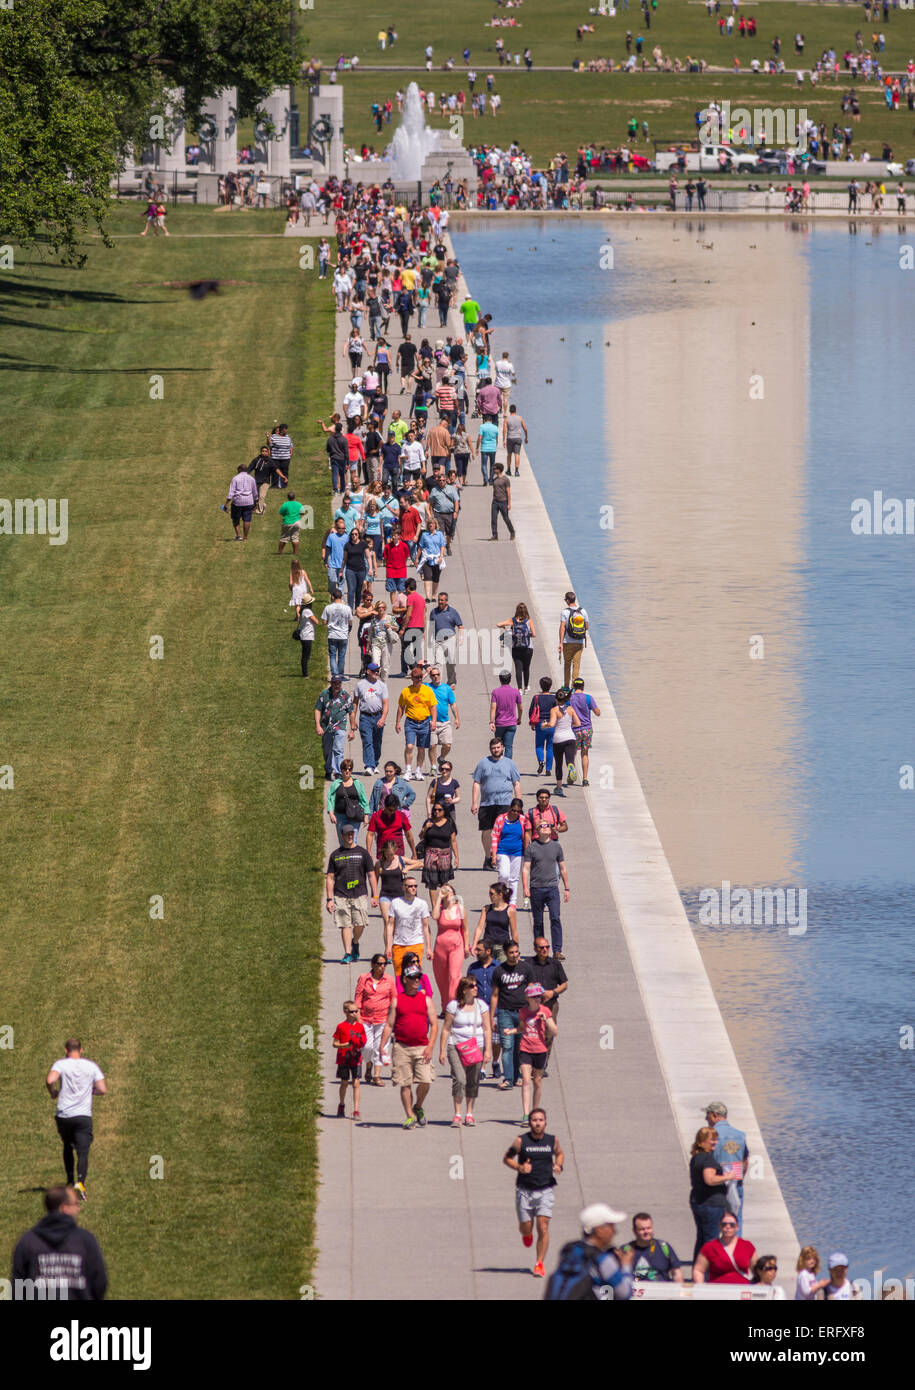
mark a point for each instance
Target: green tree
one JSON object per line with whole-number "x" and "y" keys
{"x": 80, "y": 81}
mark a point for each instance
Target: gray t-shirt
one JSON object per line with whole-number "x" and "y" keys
{"x": 371, "y": 697}
{"x": 497, "y": 780}
{"x": 544, "y": 861}
{"x": 338, "y": 617}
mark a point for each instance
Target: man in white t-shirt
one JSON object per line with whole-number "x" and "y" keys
{"x": 72, "y": 1081}
{"x": 407, "y": 926}
{"x": 505, "y": 376}
{"x": 412, "y": 456}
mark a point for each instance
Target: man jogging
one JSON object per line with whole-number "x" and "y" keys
{"x": 537, "y": 1158}
{"x": 67, "y": 1260}
{"x": 72, "y": 1081}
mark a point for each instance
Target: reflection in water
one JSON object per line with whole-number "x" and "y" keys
{"x": 727, "y": 389}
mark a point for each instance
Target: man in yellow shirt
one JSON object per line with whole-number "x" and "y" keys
{"x": 418, "y": 705}
{"x": 408, "y": 277}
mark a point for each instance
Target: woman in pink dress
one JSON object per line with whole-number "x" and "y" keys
{"x": 451, "y": 948}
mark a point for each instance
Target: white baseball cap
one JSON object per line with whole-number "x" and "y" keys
{"x": 837, "y": 1259}
{"x": 599, "y": 1214}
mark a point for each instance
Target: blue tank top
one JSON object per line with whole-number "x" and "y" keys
{"x": 511, "y": 840}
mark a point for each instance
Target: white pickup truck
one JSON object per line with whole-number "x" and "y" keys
{"x": 708, "y": 159}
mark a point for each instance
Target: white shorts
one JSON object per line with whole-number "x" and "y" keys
{"x": 534, "y": 1201}
{"x": 443, "y": 737}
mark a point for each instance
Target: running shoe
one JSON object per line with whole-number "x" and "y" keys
{"x": 80, "y": 1190}
{"x": 540, "y": 769}
{"x": 524, "y": 1119}
{"x": 558, "y": 791}
{"x": 347, "y": 959}
{"x": 539, "y": 1271}
{"x": 355, "y": 951}
{"x": 355, "y": 1114}
{"x": 418, "y": 777}
{"x": 420, "y": 1114}
{"x": 470, "y": 1121}
{"x": 408, "y": 774}
{"x": 410, "y": 1122}
{"x": 457, "y": 1122}
{"x": 528, "y": 1240}
{"x": 585, "y": 782}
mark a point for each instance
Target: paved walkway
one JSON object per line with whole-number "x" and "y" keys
{"x": 387, "y": 1194}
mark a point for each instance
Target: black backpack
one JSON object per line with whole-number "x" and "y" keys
{"x": 574, "y": 1278}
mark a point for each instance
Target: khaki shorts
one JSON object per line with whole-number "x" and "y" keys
{"x": 351, "y": 912}
{"x": 290, "y": 532}
{"x": 443, "y": 736}
{"x": 410, "y": 1066}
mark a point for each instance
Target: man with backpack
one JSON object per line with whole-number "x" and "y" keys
{"x": 588, "y": 1269}
{"x": 573, "y": 634}
{"x": 537, "y": 1158}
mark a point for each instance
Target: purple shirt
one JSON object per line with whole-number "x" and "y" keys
{"x": 489, "y": 400}
{"x": 582, "y": 704}
{"x": 506, "y": 699}
{"x": 243, "y": 490}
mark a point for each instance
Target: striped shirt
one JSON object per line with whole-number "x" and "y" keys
{"x": 280, "y": 447}
{"x": 446, "y": 397}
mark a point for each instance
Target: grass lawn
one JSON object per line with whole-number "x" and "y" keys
{"x": 548, "y": 28}
{"x": 552, "y": 111}
{"x": 176, "y": 777}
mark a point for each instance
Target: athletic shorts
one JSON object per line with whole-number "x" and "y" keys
{"x": 418, "y": 732}
{"x": 409, "y": 1066}
{"x": 537, "y": 1060}
{"x": 583, "y": 739}
{"x": 534, "y": 1201}
{"x": 241, "y": 513}
{"x": 488, "y": 815}
{"x": 513, "y": 446}
{"x": 347, "y": 1073}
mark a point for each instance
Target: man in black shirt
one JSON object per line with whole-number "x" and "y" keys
{"x": 537, "y": 1158}
{"x": 406, "y": 356}
{"x": 509, "y": 984}
{"x": 350, "y": 872}
{"x": 338, "y": 454}
{"x": 265, "y": 469}
{"x": 56, "y": 1250}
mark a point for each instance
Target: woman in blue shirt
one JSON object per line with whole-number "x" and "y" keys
{"x": 430, "y": 562}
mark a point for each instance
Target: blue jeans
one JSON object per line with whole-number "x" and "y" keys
{"x": 708, "y": 1223}
{"x": 333, "y": 744}
{"x": 371, "y": 737}
{"x": 334, "y": 578}
{"x": 487, "y": 462}
{"x": 543, "y": 745}
{"x": 511, "y": 1045}
{"x": 506, "y": 732}
{"x": 354, "y": 582}
{"x": 336, "y": 649}
{"x": 547, "y": 898}
{"x": 338, "y": 475}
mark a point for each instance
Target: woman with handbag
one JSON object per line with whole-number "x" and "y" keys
{"x": 347, "y": 802}
{"x": 538, "y": 716}
{"x": 451, "y": 949}
{"x": 440, "y": 851}
{"x": 467, "y": 1034}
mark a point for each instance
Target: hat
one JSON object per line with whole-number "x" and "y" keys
{"x": 837, "y": 1259}
{"x": 716, "y": 1107}
{"x": 534, "y": 989}
{"x": 347, "y": 830}
{"x": 336, "y": 680}
{"x": 578, "y": 683}
{"x": 373, "y": 666}
{"x": 355, "y": 381}
{"x": 599, "y": 1215}
{"x": 412, "y": 972}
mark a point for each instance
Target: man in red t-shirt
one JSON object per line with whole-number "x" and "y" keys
{"x": 413, "y": 1022}
{"x": 349, "y": 1040}
{"x": 410, "y": 525}
{"x": 412, "y": 628}
{"x": 356, "y": 451}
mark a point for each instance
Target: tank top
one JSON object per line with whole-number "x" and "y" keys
{"x": 511, "y": 838}
{"x": 411, "y": 1021}
{"x": 449, "y": 919}
{"x": 514, "y": 430}
{"x": 392, "y": 879}
{"x": 563, "y": 731}
{"x": 540, "y": 1154}
{"x": 497, "y": 930}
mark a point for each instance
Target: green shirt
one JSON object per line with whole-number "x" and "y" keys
{"x": 401, "y": 429}
{"x": 290, "y": 512}
{"x": 471, "y": 311}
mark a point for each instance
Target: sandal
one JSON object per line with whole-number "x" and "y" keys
{"x": 376, "y": 1081}
{"x": 503, "y": 1085}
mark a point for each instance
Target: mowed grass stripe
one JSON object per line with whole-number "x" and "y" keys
{"x": 176, "y": 777}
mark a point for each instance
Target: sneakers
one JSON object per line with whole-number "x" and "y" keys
{"x": 558, "y": 791}
{"x": 528, "y": 1240}
{"x": 80, "y": 1190}
{"x": 539, "y": 1271}
{"x": 540, "y": 769}
{"x": 585, "y": 782}
{"x": 571, "y": 777}
{"x": 347, "y": 959}
{"x": 420, "y": 1114}
{"x": 418, "y": 777}
{"x": 470, "y": 1121}
{"x": 355, "y": 1114}
{"x": 341, "y": 1112}
{"x": 355, "y": 955}
{"x": 457, "y": 1122}
{"x": 410, "y": 1122}
{"x": 524, "y": 1120}
{"x": 408, "y": 774}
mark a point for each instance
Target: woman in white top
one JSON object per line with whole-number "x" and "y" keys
{"x": 563, "y": 721}
{"x": 467, "y": 1030}
{"x": 299, "y": 586}
{"x": 808, "y": 1267}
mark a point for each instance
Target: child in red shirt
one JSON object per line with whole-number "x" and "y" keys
{"x": 349, "y": 1040}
